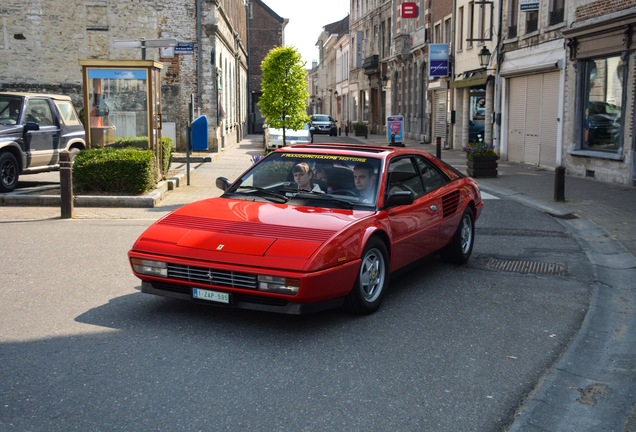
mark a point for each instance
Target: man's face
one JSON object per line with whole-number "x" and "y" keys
{"x": 362, "y": 179}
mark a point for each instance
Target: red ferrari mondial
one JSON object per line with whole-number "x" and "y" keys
{"x": 311, "y": 227}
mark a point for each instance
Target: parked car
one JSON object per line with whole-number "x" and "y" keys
{"x": 603, "y": 122}
{"x": 324, "y": 124}
{"x": 273, "y": 138}
{"x": 475, "y": 131}
{"x": 34, "y": 129}
{"x": 269, "y": 244}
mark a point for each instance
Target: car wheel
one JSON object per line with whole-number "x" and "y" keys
{"x": 461, "y": 247}
{"x": 9, "y": 172}
{"x": 372, "y": 280}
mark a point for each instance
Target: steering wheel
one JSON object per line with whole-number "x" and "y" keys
{"x": 344, "y": 192}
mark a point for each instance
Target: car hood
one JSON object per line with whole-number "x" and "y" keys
{"x": 254, "y": 233}
{"x": 10, "y": 129}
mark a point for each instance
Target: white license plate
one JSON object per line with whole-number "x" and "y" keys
{"x": 215, "y": 296}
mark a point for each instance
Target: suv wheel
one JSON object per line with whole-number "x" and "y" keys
{"x": 9, "y": 171}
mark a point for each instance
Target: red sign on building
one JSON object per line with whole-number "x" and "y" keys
{"x": 409, "y": 10}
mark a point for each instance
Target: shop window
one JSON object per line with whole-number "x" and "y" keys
{"x": 602, "y": 101}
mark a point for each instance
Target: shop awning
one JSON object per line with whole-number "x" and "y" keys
{"x": 470, "y": 82}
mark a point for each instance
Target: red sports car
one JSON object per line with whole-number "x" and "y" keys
{"x": 311, "y": 227}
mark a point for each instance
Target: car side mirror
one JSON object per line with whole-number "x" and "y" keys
{"x": 399, "y": 199}
{"x": 223, "y": 183}
{"x": 31, "y": 126}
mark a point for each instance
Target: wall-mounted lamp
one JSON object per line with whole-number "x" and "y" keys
{"x": 385, "y": 81}
{"x": 484, "y": 57}
{"x": 335, "y": 93}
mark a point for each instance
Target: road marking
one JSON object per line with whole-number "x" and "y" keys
{"x": 487, "y": 196}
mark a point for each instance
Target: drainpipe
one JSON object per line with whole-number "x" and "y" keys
{"x": 199, "y": 55}
{"x": 499, "y": 59}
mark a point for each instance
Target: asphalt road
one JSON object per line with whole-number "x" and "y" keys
{"x": 451, "y": 349}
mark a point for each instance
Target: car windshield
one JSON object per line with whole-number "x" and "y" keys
{"x": 322, "y": 118}
{"x": 311, "y": 179}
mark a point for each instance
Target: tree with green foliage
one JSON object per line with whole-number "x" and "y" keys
{"x": 284, "y": 89}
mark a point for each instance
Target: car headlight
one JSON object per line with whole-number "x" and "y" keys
{"x": 278, "y": 284}
{"x": 150, "y": 267}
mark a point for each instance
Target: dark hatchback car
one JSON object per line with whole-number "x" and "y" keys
{"x": 475, "y": 131}
{"x": 323, "y": 124}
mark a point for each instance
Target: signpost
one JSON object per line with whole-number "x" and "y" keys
{"x": 144, "y": 43}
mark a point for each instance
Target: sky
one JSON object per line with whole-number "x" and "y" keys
{"x": 306, "y": 22}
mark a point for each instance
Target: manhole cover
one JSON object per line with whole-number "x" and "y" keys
{"x": 524, "y": 266}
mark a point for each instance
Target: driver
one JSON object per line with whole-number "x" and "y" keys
{"x": 364, "y": 180}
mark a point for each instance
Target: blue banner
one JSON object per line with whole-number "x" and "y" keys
{"x": 117, "y": 73}
{"x": 438, "y": 60}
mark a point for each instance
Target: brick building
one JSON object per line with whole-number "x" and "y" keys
{"x": 265, "y": 31}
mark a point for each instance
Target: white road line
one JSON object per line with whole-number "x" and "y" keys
{"x": 487, "y": 196}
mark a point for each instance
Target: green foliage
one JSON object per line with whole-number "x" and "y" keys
{"x": 284, "y": 89}
{"x": 167, "y": 155}
{"x": 141, "y": 142}
{"x": 112, "y": 170}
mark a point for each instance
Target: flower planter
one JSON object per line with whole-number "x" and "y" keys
{"x": 483, "y": 166}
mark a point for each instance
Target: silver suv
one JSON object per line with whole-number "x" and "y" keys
{"x": 34, "y": 129}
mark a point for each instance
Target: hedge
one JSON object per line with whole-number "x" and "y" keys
{"x": 113, "y": 170}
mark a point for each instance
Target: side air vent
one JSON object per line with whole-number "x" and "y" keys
{"x": 450, "y": 203}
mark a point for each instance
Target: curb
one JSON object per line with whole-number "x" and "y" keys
{"x": 148, "y": 200}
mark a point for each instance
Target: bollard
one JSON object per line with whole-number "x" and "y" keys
{"x": 438, "y": 147}
{"x": 66, "y": 184}
{"x": 559, "y": 184}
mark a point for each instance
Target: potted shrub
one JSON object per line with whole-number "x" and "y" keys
{"x": 360, "y": 129}
{"x": 481, "y": 159}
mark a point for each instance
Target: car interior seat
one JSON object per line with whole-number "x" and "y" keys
{"x": 340, "y": 177}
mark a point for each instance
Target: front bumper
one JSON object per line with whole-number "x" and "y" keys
{"x": 240, "y": 300}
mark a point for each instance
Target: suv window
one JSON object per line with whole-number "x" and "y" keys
{"x": 39, "y": 111}
{"x": 67, "y": 112}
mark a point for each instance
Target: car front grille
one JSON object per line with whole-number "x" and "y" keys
{"x": 212, "y": 277}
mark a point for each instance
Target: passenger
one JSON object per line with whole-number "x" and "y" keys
{"x": 364, "y": 180}
{"x": 322, "y": 180}
{"x": 303, "y": 176}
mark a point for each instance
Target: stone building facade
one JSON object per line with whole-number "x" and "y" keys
{"x": 41, "y": 44}
{"x": 600, "y": 90}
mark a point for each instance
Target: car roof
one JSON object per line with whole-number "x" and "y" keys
{"x": 30, "y": 95}
{"x": 363, "y": 150}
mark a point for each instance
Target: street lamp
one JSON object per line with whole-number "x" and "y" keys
{"x": 484, "y": 57}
